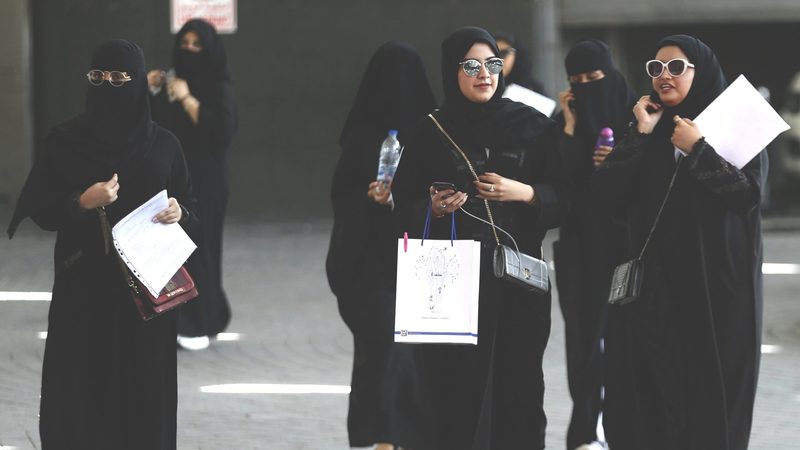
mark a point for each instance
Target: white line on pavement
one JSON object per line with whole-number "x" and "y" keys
{"x": 12, "y": 296}
{"x": 767, "y": 349}
{"x": 275, "y": 389}
{"x": 780, "y": 269}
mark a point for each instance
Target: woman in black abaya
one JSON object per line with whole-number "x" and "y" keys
{"x": 109, "y": 379}
{"x": 199, "y": 107}
{"x": 589, "y": 244}
{"x": 683, "y": 359}
{"x": 489, "y": 395}
{"x": 394, "y": 94}
{"x": 518, "y": 68}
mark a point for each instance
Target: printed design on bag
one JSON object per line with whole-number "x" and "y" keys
{"x": 438, "y": 267}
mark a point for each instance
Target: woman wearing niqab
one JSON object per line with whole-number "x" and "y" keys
{"x": 683, "y": 359}
{"x": 109, "y": 379}
{"x": 204, "y": 118}
{"x": 489, "y": 395}
{"x": 590, "y": 243}
{"x": 394, "y": 94}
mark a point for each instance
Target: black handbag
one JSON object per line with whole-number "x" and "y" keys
{"x": 509, "y": 264}
{"x": 626, "y": 282}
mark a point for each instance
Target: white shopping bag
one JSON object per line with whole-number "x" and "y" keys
{"x": 437, "y": 291}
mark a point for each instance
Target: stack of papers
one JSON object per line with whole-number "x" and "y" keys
{"x": 152, "y": 251}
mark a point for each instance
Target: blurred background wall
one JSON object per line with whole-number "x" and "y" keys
{"x": 297, "y": 64}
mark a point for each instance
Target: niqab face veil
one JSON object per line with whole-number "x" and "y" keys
{"x": 606, "y": 102}
{"x": 206, "y": 67}
{"x": 709, "y": 81}
{"x": 116, "y": 115}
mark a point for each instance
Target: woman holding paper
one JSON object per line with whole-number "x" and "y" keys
{"x": 394, "y": 94}
{"x": 198, "y": 105}
{"x": 489, "y": 395}
{"x": 683, "y": 358}
{"x": 109, "y": 379}
{"x": 589, "y": 242}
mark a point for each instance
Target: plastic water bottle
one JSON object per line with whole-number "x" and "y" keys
{"x": 605, "y": 138}
{"x": 389, "y": 158}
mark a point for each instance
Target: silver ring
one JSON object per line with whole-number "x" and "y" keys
{"x": 442, "y": 205}
{"x": 491, "y": 188}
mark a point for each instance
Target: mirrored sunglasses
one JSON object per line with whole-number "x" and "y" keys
{"x": 472, "y": 67}
{"x": 114, "y": 77}
{"x": 676, "y": 67}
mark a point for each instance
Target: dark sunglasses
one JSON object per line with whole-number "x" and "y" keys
{"x": 115, "y": 78}
{"x": 676, "y": 67}
{"x": 472, "y": 67}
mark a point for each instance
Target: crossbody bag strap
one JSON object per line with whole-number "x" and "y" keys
{"x": 661, "y": 208}
{"x": 105, "y": 226}
{"x": 472, "y": 171}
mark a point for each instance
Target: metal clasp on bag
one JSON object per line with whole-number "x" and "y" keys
{"x": 527, "y": 273}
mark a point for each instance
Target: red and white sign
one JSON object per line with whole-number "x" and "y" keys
{"x": 220, "y": 13}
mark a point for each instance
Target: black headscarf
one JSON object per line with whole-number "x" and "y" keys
{"x": 522, "y": 72}
{"x": 394, "y": 93}
{"x": 499, "y": 121}
{"x": 709, "y": 81}
{"x": 606, "y": 102}
{"x": 113, "y": 133}
{"x": 203, "y": 70}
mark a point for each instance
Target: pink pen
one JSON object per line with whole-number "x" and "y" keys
{"x": 405, "y": 242}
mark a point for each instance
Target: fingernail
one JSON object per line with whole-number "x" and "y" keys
{"x": 155, "y": 219}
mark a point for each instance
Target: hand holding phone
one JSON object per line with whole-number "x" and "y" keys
{"x": 439, "y": 186}
{"x": 647, "y": 112}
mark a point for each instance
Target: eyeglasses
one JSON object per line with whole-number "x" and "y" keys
{"x": 472, "y": 67}
{"x": 676, "y": 67}
{"x": 507, "y": 51}
{"x": 115, "y": 78}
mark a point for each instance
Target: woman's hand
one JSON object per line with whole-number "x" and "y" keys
{"x": 155, "y": 78}
{"x": 647, "y": 113}
{"x": 600, "y": 154}
{"x": 565, "y": 98}
{"x": 172, "y": 214}
{"x": 685, "y": 135}
{"x": 446, "y": 201}
{"x": 500, "y": 189}
{"x": 380, "y": 192}
{"x": 102, "y": 193}
{"x": 178, "y": 88}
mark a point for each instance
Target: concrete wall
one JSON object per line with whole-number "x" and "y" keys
{"x": 15, "y": 97}
{"x": 296, "y": 66}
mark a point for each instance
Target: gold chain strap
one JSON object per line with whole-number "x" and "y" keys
{"x": 472, "y": 170}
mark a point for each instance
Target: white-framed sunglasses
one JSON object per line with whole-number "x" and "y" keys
{"x": 472, "y": 67}
{"x": 114, "y": 77}
{"x": 676, "y": 67}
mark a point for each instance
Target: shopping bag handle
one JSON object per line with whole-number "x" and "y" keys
{"x": 427, "y": 229}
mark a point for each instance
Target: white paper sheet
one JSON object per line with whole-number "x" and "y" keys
{"x": 740, "y": 123}
{"x": 152, "y": 251}
{"x": 535, "y": 100}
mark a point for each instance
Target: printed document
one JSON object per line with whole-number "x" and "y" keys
{"x": 740, "y": 123}
{"x": 153, "y": 251}
{"x": 535, "y": 100}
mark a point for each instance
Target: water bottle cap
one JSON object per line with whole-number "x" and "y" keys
{"x": 393, "y": 133}
{"x": 606, "y": 132}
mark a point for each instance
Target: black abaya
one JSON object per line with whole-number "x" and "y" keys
{"x": 205, "y": 145}
{"x": 109, "y": 379}
{"x": 590, "y": 243}
{"x": 683, "y": 359}
{"x": 394, "y": 94}
{"x": 490, "y": 395}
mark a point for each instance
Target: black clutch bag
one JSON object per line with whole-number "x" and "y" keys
{"x": 626, "y": 283}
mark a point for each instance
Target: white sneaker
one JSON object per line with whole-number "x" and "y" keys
{"x": 596, "y": 445}
{"x": 193, "y": 343}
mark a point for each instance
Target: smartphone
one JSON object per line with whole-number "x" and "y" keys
{"x": 443, "y": 186}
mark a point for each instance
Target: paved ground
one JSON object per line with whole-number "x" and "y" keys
{"x": 291, "y": 334}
